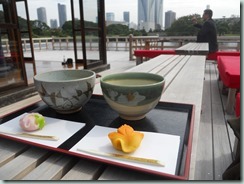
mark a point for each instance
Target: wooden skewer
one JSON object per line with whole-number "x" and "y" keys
{"x": 35, "y": 136}
{"x": 125, "y": 157}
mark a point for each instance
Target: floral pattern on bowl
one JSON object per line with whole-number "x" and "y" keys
{"x": 132, "y": 101}
{"x": 68, "y": 96}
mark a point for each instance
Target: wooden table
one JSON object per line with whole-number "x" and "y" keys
{"x": 184, "y": 77}
{"x": 193, "y": 48}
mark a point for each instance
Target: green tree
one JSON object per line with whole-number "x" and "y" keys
{"x": 40, "y": 28}
{"x": 222, "y": 27}
{"x": 118, "y": 29}
{"x": 235, "y": 28}
{"x": 183, "y": 26}
{"x": 137, "y": 32}
{"x": 57, "y": 32}
{"x": 67, "y": 28}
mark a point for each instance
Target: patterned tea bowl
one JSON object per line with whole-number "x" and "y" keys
{"x": 132, "y": 94}
{"x": 66, "y": 91}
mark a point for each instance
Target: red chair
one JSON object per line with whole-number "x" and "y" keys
{"x": 214, "y": 56}
{"x": 229, "y": 70}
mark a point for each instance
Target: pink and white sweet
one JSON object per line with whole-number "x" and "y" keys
{"x": 32, "y": 121}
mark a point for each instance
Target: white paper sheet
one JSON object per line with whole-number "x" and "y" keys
{"x": 62, "y": 129}
{"x": 162, "y": 147}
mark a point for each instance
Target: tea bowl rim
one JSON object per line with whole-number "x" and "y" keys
{"x": 36, "y": 77}
{"x": 103, "y": 79}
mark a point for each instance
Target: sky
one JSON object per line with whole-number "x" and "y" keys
{"x": 181, "y": 7}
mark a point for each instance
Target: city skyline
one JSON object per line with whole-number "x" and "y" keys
{"x": 221, "y": 8}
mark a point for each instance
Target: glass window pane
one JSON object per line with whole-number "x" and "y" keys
{"x": 2, "y": 18}
{"x": 92, "y": 45}
{"x": 90, "y": 13}
{"x": 26, "y": 45}
{"x": 10, "y": 65}
{"x": 22, "y": 18}
{"x": 79, "y": 45}
{"x": 77, "y": 13}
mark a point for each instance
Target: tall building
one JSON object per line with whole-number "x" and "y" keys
{"x": 158, "y": 14}
{"x": 126, "y": 15}
{"x": 170, "y": 17}
{"x": 53, "y": 23}
{"x": 150, "y": 14}
{"x": 62, "y": 14}
{"x": 110, "y": 16}
{"x": 41, "y": 14}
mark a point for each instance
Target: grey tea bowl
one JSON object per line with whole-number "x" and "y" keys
{"x": 66, "y": 91}
{"x": 132, "y": 94}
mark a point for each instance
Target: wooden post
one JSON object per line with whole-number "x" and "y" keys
{"x": 46, "y": 44}
{"x": 53, "y": 43}
{"x": 67, "y": 43}
{"x": 130, "y": 47}
{"x": 90, "y": 43}
{"x": 147, "y": 44}
{"x": 60, "y": 44}
{"x": 116, "y": 43}
{"x": 126, "y": 43}
{"x": 40, "y": 45}
{"x": 238, "y": 46}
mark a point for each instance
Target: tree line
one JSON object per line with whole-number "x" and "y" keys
{"x": 181, "y": 27}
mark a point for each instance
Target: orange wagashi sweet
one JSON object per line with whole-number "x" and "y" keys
{"x": 126, "y": 139}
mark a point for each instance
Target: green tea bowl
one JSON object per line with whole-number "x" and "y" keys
{"x": 65, "y": 91}
{"x": 132, "y": 94}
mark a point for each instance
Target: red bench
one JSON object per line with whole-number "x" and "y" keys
{"x": 229, "y": 72}
{"x": 238, "y": 104}
{"x": 214, "y": 56}
{"x": 150, "y": 54}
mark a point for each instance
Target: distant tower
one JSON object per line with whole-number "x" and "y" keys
{"x": 169, "y": 18}
{"x": 150, "y": 14}
{"x": 146, "y": 14}
{"x": 208, "y": 6}
{"x": 110, "y": 16}
{"x": 62, "y": 14}
{"x": 53, "y": 23}
{"x": 127, "y": 17}
{"x": 158, "y": 14}
{"x": 41, "y": 14}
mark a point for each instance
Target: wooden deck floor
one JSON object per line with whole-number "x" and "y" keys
{"x": 216, "y": 139}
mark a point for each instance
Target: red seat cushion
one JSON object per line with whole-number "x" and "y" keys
{"x": 214, "y": 56}
{"x": 152, "y": 53}
{"x": 238, "y": 104}
{"x": 229, "y": 70}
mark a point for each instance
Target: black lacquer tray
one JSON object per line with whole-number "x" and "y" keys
{"x": 167, "y": 118}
